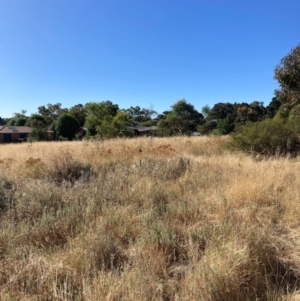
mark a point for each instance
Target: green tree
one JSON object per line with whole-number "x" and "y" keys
{"x": 37, "y": 134}
{"x": 21, "y": 121}
{"x": 226, "y": 125}
{"x": 284, "y": 111}
{"x": 149, "y": 114}
{"x": 140, "y": 115}
{"x": 18, "y": 119}
{"x": 11, "y": 122}
{"x": 79, "y": 112}
{"x": 243, "y": 113}
{"x": 259, "y": 111}
{"x": 273, "y": 107}
{"x": 287, "y": 73}
{"x": 121, "y": 122}
{"x": 182, "y": 120}
{"x": 98, "y": 114}
{"x": 253, "y": 112}
{"x": 66, "y": 126}
{"x": 294, "y": 114}
{"x": 112, "y": 127}
{"x": 217, "y": 120}
{"x": 36, "y": 120}
{"x": 136, "y": 113}
{"x": 39, "y": 127}
{"x": 220, "y": 111}
{"x": 205, "y": 110}
{"x": 163, "y": 115}
{"x": 51, "y": 112}
{"x": 17, "y": 115}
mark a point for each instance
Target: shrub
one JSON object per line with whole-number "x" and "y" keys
{"x": 205, "y": 128}
{"x": 65, "y": 168}
{"x": 37, "y": 134}
{"x": 268, "y": 137}
{"x": 284, "y": 111}
{"x": 225, "y": 125}
{"x": 294, "y": 114}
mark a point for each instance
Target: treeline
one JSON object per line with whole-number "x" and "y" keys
{"x": 246, "y": 121}
{"x": 106, "y": 120}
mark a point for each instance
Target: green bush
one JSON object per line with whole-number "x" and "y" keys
{"x": 225, "y": 125}
{"x": 268, "y": 137}
{"x": 284, "y": 111}
{"x": 37, "y": 134}
{"x": 67, "y": 126}
{"x": 294, "y": 113}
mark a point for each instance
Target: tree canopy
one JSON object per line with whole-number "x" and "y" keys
{"x": 98, "y": 114}
{"x": 106, "y": 120}
{"x": 66, "y": 126}
{"x": 220, "y": 111}
{"x": 79, "y": 112}
{"x": 51, "y": 112}
{"x": 139, "y": 115}
{"x": 287, "y": 73}
{"x": 183, "y": 119}
{"x": 273, "y": 107}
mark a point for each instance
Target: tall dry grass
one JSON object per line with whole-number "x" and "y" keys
{"x": 147, "y": 219}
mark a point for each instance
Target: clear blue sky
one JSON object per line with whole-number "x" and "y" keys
{"x": 142, "y": 52}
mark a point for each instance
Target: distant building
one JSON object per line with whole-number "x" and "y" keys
{"x": 143, "y": 130}
{"x": 14, "y": 133}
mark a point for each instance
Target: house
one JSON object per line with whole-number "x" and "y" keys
{"x": 14, "y": 133}
{"x": 143, "y": 130}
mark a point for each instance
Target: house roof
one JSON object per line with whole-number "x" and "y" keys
{"x": 143, "y": 128}
{"x": 15, "y": 129}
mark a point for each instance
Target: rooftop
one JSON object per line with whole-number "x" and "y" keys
{"x": 14, "y": 129}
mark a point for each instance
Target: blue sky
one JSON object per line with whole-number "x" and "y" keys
{"x": 149, "y": 53}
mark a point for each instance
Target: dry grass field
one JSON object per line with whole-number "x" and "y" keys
{"x": 147, "y": 219}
